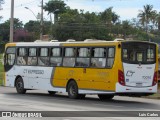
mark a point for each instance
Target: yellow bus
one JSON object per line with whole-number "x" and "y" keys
{"x": 104, "y": 68}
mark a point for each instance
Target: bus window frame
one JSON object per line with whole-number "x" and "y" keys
{"x": 17, "y": 55}
{"x": 136, "y": 62}
{"x": 38, "y": 55}
{"x": 107, "y": 56}
{"x": 33, "y": 56}
{"x": 92, "y": 56}
{"x": 61, "y": 55}
{"x": 107, "y": 47}
{"x": 78, "y": 47}
{"x": 10, "y": 53}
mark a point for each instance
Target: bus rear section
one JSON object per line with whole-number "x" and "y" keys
{"x": 139, "y": 74}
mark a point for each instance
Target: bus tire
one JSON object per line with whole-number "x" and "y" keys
{"x": 20, "y": 86}
{"x": 52, "y": 92}
{"x": 73, "y": 90}
{"x": 105, "y": 97}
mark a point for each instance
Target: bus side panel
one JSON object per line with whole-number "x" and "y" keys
{"x": 90, "y": 78}
{"x": 86, "y": 78}
{"x": 99, "y": 79}
{"x": 63, "y": 74}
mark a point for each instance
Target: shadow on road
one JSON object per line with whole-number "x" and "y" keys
{"x": 87, "y": 99}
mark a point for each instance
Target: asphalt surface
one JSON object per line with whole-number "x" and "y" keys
{"x": 37, "y": 100}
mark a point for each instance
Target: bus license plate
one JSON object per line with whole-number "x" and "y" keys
{"x": 138, "y": 84}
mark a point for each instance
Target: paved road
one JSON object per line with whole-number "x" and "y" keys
{"x": 41, "y": 101}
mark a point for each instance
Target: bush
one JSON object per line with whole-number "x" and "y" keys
{"x": 2, "y": 47}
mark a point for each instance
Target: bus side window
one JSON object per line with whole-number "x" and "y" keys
{"x": 32, "y": 57}
{"x": 43, "y": 58}
{"x": 83, "y": 57}
{"x": 10, "y": 59}
{"x": 69, "y": 57}
{"x": 56, "y": 57}
{"x": 10, "y": 56}
{"x": 110, "y": 57}
{"x": 98, "y": 58}
{"x": 22, "y": 56}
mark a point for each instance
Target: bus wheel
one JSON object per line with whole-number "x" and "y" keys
{"x": 105, "y": 97}
{"x": 73, "y": 90}
{"x": 20, "y": 86}
{"x": 52, "y": 92}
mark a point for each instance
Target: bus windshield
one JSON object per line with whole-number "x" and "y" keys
{"x": 138, "y": 53}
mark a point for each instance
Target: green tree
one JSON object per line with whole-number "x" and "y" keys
{"x": 5, "y": 28}
{"x": 108, "y": 16}
{"x": 56, "y": 7}
{"x": 115, "y": 17}
{"x": 146, "y": 16}
{"x": 33, "y": 27}
{"x": 70, "y": 16}
{"x": 126, "y": 28}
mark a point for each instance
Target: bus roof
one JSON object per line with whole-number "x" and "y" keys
{"x": 67, "y": 43}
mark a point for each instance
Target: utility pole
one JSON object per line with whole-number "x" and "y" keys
{"x": 12, "y": 21}
{"x": 41, "y": 29}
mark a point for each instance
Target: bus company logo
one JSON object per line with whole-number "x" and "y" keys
{"x": 26, "y": 71}
{"x": 130, "y": 73}
{"x": 6, "y": 114}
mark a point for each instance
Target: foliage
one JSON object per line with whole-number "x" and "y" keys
{"x": 79, "y": 25}
{"x": 146, "y": 16}
{"x": 2, "y": 46}
{"x": 56, "y": 7}
{"x": 5, "y": 28}
{"x": 33, "y": 27}
{"x": 108, "y": 16}
{"x": 53, "y": 5}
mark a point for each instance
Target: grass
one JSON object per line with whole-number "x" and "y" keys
{"x": 1, "y": 71}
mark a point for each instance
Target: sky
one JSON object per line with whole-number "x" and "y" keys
{"x": 126, "y": 9}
